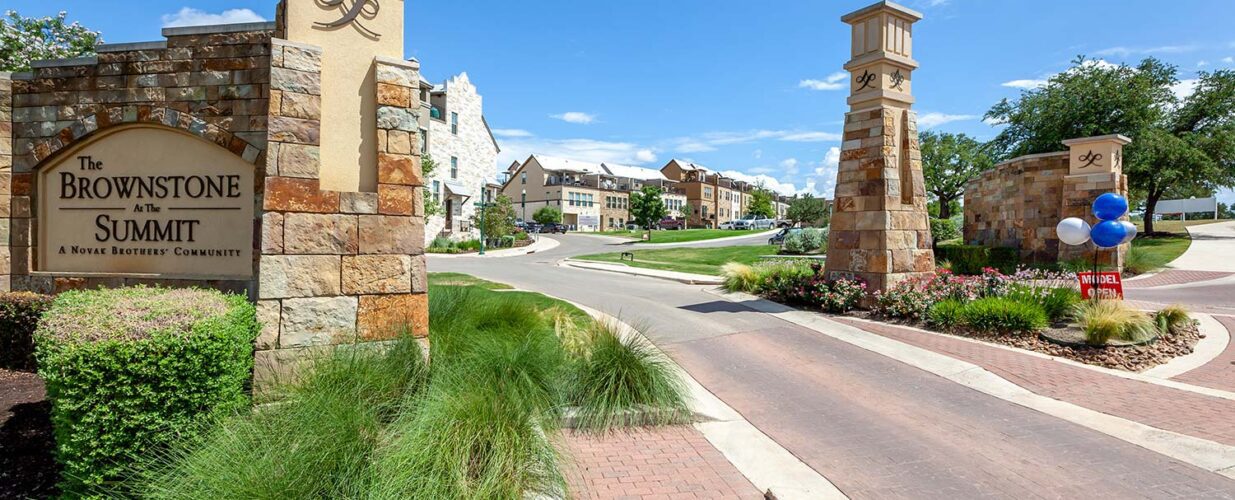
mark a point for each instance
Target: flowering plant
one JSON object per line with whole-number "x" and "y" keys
{"x": 812, "y": 288}
{"x": 25, "y": 39}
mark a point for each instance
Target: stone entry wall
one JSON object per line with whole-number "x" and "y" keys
{"x": 212, "y": 85}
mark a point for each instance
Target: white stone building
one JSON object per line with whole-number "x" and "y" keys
{"x": 457, "y": 136}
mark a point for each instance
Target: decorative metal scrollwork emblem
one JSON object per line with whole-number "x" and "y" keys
{"x": 866, "y": 79}
{"x": 1091, "y": 159}
{"x": 352, "y": 14}
{"x": 898, "y": 79}
{"x": 1119, "y": 159}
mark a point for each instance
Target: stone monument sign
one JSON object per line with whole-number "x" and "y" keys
{"x": 147, "y": 201}
{"x": 880, "y": 232}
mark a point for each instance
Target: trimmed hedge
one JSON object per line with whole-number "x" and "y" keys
{"x": 131, "y": 370}
{"x": 19, "y": 316}
{"x": 971, "y": 259}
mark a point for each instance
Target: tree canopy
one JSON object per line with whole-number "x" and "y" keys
{"x": 497, "y": 219}
{"x": 761, "y": 202}
{"x": 1182, "y": 142}
{"x": 948, "y": 162}
{"x": 547, "y": 215}
{"x": 646, "y": 206}
{"x": 25, "y": 39}
{"x": 808, "y": 209}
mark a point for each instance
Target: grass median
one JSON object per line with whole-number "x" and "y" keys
{"x": 680, "y": 236}
{"x": 687, "y": 260}
{"x": 1169, "y": 241}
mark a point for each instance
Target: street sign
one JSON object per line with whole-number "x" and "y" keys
{"x": 1108, "y": 286}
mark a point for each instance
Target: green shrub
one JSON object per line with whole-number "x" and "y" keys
{"x": 815, "y": 240}
{"x": 1171, "y": 318}
{"x": 739, "y": 277}
{"x": 1138, "y": 261}
{"x": 794, "y": 244}
{"x": 945, "y": 315}
{"x": 1057, "y": 302}
{"x": 316, "y": 443}
{"x": 944, "y": 230}
{"x": 129, "y": 371}
{"x": 972, "y": 259}
{"x": 441, "y": 242}
{"x": 468, "y": 245}
{"x": 621, "y": 375}
{"x": 521, "y": 236}
{"x": 1104, "y": 320}
{"x": 19, "y": 316}
{"x": 1003, "y": 315}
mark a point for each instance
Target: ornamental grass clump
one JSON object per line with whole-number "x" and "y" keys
{"x": 1003, "y": 315}
{"x": 945, "y": 315}
{"x": 1171, "y": 318}
{"x": 739, "y": 277}
{"x": 1106, "y": 320}
{"x": 622, "y": 380}
{"x": 131, "y": 371}
{"x": 316, "y": 442}
{"x": 1057, "y": 302}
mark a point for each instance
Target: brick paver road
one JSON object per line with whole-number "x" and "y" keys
{"x": 1219, "y": 373}
{"x": 650, "y": 464}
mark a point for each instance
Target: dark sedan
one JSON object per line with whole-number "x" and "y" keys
{"x": 553, "y": 227}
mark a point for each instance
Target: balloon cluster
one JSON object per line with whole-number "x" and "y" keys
{"x": 1109, "y": 233}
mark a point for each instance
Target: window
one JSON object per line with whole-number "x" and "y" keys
{"x": 707, "y": 193}
{"x": 424, "y": 140}
{"x": 523, "y": 178}
{"x": 437, "y": 190}
{"x": 454, "y": 167}
{"x": 454, "y": 123}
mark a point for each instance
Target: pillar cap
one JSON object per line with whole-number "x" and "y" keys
{"x": 876, "y": 7}
{"x": 1120, "y": 139}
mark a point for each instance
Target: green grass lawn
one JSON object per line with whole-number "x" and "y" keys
{"x": 681, "y": 236}
{"x": 688, "y": 260}
{"x": 460, "y": 279}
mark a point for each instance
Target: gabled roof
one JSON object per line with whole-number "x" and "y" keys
{"x": 640, "y": 173}
{"x": 685, "y": 165}
{"x": 555, "y": 164}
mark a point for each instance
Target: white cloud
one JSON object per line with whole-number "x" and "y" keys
{"x": 790, "y": 166}
{"x": 711, "y": 140}
{"x": 824, "y": 181}
{"x": 811, "y": 137}
{"x": 1228, "y": 60}
{"x": 694, "y": 147}
{"x": 591, "y": 150}
{"x": 1184, "y": 88}
{"x": 834, "y": 81}
{"x": 188, "y": 16}
{"x": 1024, "y": 84}
{"x": 1164, "y": 49}
{"x": 511, "y": 132}
{"x": 575, "y": 117}
{"x": 1202, "y": 63}
{"x": 769, "y": 182}
{"x": 994, "y": 122}
{"x": 931, "y": 120}
{"x": 758, "y": 153}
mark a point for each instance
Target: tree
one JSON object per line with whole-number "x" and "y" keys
{"x": 761, "y": 203}
{"x": 687, "y": 211}
{"x": 948, "y": 162}
{"x": 433, "y": 205}
{"x": 497, "y": 219}
{"x": 25, "y": 39}
{"x": 1179, "y": 144}
{"x": 807, "y": 209}
{"x": 547, "y": 215}
{"x": 647, "y": 208}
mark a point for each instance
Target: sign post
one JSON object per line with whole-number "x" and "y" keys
{"x": 483, "y": 207}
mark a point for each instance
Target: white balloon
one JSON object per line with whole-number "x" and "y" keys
{"x": 1131, "y": 231}
{"x": 1073, "y": 231}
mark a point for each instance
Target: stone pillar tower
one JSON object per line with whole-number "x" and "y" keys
{"x": 880, "y": 231}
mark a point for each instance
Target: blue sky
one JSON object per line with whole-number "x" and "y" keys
{"x": 735, "y": 85}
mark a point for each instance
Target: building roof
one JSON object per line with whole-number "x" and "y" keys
{"x": 691, "y": 166}
{"x": 640, "y": 173}
{"x": 553, "y": 163}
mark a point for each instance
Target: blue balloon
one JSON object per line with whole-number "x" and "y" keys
{"x": 1110, "y": 206}
{"x": 1108, "y": 234}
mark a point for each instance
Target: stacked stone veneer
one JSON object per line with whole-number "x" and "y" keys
{"x": 879, "y": 230}
{"x": 330, "y": 267}
{"x": 1019, "y": 202}
{"x": 337, "y": 267}
{"x": 212, "y": 85}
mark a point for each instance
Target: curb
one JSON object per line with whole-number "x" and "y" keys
{"x": 684, "y": 278}
{"x": 652, "y": 244}
{"x": 1208, "y": 455}
{"x": 763, "y": 461}
{"x": 542, "y": 244}
{"x": 1215, "y": 342}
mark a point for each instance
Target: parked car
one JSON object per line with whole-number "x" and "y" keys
{"x": 784, "y": 223}
{"x": 531, "y": 227}
{"x": 726, "y": 225}
{"x": 779, "y": 237}
{"x": 671, "y": 224}
{"x": 553, "y": 227}
{"x": 744, "y": 223}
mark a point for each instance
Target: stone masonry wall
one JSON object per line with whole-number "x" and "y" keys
{"x": 880, "y": 232}
{"x": 213, "y": 85}
{"x": 1019, "y": 202}
{"x": 337, "y": 267}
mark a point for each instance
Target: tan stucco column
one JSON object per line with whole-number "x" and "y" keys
{"x": 880, "y": 231}
{"x": 1095, "y": 167}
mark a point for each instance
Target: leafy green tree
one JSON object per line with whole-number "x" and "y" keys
{"x": 547, "y": 215}
{"x": 1179, "y": 144}
{"x": 687, "y": 211}
{"x": 808, "y": 210}
{"x": 647, "y": 208}
{"x": 25, "y": 39}
{"x": 433, "y": 205}
{"x": 761, "y": 202}
{"x": 948, "y": 162}
{"x": 497, "y": 219}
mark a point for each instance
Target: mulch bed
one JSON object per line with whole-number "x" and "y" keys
{"x": 28, "y": 466}
{"x": 1128, "y": 358}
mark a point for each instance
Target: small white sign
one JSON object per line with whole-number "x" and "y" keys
{"x": 1187, "y": 206}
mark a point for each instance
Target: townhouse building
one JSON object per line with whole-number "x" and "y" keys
{"x": 591, "y": 196}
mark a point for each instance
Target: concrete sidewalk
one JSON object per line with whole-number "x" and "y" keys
{"x": 542, "y": 244}
{"x": 1211, "y": 249}
{"x": 684, "y": 278}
